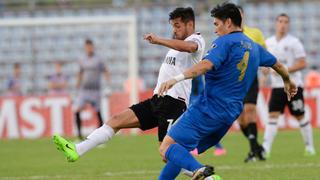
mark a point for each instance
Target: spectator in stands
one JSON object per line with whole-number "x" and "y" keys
{"x": 57, "y": 81}
{"x": 14, "y": 82}
{"x": 312, "y": 79}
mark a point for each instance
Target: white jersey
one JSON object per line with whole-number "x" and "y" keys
{"x": 287, "y": 51}
{"x": 177, "y": 62}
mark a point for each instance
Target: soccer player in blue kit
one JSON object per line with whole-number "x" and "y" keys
{"x": 230, "y": 67}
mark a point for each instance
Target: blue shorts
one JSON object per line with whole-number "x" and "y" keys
{"x": 196, "y": 129}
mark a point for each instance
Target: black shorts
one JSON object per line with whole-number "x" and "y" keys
{"x": 252, "y": 95}
{"x": 279, "y": 100}
{"x": 158, "y": 112}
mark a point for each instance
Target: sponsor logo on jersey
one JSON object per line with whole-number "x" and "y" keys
{"x": 170, "y": 60}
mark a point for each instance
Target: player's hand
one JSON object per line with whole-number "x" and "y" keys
{"x": 166, "y": 86}
{"x": 152, "y": 38}
{"x": 290, "y": 88}
{"x": 265, "y": 70}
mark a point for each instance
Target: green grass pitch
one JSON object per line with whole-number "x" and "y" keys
{"x": 137, "y": 158}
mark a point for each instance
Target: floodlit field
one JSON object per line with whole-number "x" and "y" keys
{"x": 137, "y": 158}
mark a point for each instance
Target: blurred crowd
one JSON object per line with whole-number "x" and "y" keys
{"x": 61, "y": 80}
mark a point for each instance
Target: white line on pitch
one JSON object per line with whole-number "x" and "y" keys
{"x": 153, "y": 172}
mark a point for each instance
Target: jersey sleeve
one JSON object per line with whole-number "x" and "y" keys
{"x": 196, "y": 39}
{"x": 218, "y": 53}
{"x": 266, "y": 58}
{"x": 298, "y": 50}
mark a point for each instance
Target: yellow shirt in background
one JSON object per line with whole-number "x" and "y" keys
{"x": 255, "y": 35}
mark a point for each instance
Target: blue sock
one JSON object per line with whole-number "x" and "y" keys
{"x": 219, "y": 146}
{"x": 182, "y": 158}
{"x": 169, "y": 172}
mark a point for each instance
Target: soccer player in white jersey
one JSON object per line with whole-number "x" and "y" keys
{"x": 186, "y": 48}
{"x": 289, "y": 50}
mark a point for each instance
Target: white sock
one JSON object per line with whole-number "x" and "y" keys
{"x": 97, "y": 137}
{"x": 270, "y": 133}
{"x": 186, "y": 172}
{"x": 307, "y": 135}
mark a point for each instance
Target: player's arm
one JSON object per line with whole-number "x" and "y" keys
{"x": 196, "y": 70}
{"x": 179, "y": 45}
{"x": 53, "y": 85}
{"x": 107, "y": 75}
{"x": 289, "y": 86}
{"x": 79, "y": 79}
{"x": 299, "y": 65}
{"x": 268, "y": 60}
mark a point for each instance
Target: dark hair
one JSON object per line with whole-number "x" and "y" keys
{"x": 240, "y": 9}
{"x": 225, "y": 11}
{"x": 283, "y": 15}
{"x": 88, "y": 42}
{"x": 186, "y": 14}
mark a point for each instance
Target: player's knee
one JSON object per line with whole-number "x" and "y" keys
{"x": 274, "y": 115}
{"x": 250, "y": 112}
{"x": 76, "y": 110}
{"x": 299, "y": 118}
{"x": 240, "y": 119}
{"x": 114, "y": 122}
{"x": 162, "y": 150}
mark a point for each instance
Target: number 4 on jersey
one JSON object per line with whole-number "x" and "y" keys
{"x": 242, "y": 65}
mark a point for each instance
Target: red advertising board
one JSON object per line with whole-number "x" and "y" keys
{"x": 43, "y": 116}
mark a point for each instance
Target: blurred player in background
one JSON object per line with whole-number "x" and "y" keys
{"x": 289, "y": 50}
{"x": 92, "y": 67}
{"x": 230, "y": 67}
{"x": 57, "y": 81}
{"x": 14, "y": 82}
{"x": 186, "y": 48}
{"x": 248, "y": 117}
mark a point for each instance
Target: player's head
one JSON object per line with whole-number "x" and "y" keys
{"x": 226, "y": 18}
{"x": 16, "y": 69}
{"x": 282, "y": 23}
{"x": 182, "y": 21}
{"x": 89, "y": 47}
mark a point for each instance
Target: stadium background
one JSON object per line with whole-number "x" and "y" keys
{"x": 38, "y": 33}
{"x": 29, "y": 36}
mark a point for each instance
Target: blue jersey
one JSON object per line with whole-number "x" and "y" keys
{"x": 235, "y": 59}
{"x": 197, "y": 88}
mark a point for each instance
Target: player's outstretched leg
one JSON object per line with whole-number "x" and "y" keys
{"x": 68, "y": 148}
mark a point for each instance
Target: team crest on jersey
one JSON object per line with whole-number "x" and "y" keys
{"x": 213, "y": 46}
